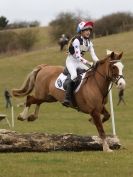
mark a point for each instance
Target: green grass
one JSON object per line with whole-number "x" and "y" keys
{"x": 66, "y": 164}
{"x": 54, "y": 118}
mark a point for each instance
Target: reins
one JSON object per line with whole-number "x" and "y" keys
{"x": 108, "y": 90}
{"x": 105, "y": 77}
{"x": 112, "y": 80}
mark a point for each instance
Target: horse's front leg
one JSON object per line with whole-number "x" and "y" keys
{"x": 105, "y": 114}
{"x": 98, "y": 123}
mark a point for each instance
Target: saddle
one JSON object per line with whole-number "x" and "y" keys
{"x": 63, "y": 79}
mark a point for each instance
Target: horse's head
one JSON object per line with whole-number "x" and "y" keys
{"x": 115, "y": 69}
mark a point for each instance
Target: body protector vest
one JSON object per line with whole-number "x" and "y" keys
{"x": 83, "y": 48}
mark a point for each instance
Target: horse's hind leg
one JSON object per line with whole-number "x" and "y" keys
{"x": 99, "y": 126}
{"x": 33, "y": 100}
{"x": 29, "y": 101}
{"x": 24, "y": 115}
{"x": 105, "y": 114}
{"x": 34, "y": 116}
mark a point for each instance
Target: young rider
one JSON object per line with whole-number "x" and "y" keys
{"x": 77, "y": 46}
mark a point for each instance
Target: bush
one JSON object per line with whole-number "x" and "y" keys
{"x": 3, "y": 22}
{"x": 27, "y": 39}
{"x": 23, "y": 24}
{"x": 8, "y": 41}
{"x": 65, "y": 23}
{"x": 34, "y": 24}
{"x": 114, "y": 23}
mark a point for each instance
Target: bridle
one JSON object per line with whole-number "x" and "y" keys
{"x": 112, "y": 78}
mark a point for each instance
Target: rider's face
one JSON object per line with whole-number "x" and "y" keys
{"x": 86, "y": 33}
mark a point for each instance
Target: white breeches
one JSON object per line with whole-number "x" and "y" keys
{"x": 73, "y": 64}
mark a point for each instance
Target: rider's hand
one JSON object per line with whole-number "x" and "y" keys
{"x": 95, "y": 63}
{"x": 84, "y": 61}
{"x": 87, "y": 63}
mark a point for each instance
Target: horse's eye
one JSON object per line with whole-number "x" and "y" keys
{"x": 113, "y": 67}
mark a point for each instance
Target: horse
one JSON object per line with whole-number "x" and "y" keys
{"x": 90, "y": 99}
{"x": 62, "y": 42}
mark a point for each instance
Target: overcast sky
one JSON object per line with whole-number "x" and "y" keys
{"x": 46, "y": 10}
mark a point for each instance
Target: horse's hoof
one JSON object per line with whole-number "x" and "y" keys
{"x": 105, "y": 119}
{"x": 91, "y": 121}
{"x": 66, "y": 104}
{"x": 20, "y": 118}
{"x": 31, "y": 118}
{"x": 108, "y": 150}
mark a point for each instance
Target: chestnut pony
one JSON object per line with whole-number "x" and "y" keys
{"x": 91, "y": 97}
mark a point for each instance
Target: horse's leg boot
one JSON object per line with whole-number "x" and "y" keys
{"x": 69, "y": 94}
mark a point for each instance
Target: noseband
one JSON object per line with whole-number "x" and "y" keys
{"x": 114, "y": 78}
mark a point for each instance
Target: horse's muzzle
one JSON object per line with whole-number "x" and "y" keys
{"x": 121, "y": 84}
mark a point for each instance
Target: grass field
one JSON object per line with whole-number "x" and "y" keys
{"x": 54, "y": 118}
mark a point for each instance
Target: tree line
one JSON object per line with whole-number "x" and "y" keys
{"x": 4, "y": 24}
{"x": 107, "y": 25}
{"x": 64, "y": 23}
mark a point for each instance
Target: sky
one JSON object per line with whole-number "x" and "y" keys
{"x": 45, "y": 11}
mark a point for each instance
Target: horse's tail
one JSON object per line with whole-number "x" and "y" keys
{"x": 28, "y": 84}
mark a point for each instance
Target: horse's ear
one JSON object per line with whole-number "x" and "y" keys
{"x": 120, "y": 55}
{"x": 112, "y": 55}
{"x": 108, "y": 51}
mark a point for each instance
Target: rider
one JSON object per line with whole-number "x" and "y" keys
{"x": 76, "y": 48}
{"x": 63, "y": 40}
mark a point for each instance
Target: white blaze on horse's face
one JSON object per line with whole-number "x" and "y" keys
{"x": 121, "y": 82}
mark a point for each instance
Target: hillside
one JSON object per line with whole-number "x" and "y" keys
{"x": 15, "y": 68}
{"x": 54, "y": 118}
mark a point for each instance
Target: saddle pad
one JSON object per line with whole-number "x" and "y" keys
{"x": 61, "y": 79}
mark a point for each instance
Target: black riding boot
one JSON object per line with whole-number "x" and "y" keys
{"x": 69, "y": 94}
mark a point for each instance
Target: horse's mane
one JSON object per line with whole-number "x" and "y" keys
{"x": 102, "y": 61}
{"x": 114, "y": 58}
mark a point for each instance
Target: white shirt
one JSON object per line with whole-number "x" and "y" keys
{"x": 87, "y": 46}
